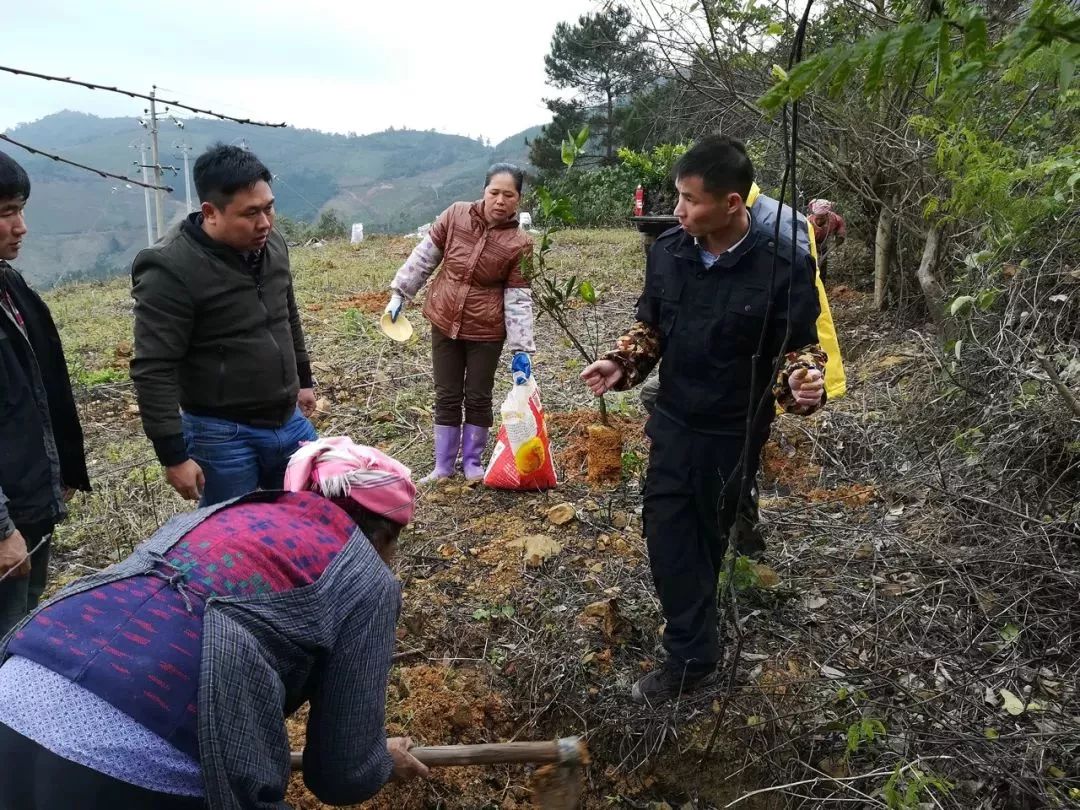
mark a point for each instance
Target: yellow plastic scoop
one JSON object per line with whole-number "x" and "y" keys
{"x": 399, "y": 330}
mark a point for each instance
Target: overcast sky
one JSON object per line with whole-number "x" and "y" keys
{"x": 470, "y": 67}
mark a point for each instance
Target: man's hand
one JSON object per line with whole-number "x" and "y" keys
{"x": 406, "y": 766}
{"x": 187, "y": 479}
{"x": 602, "y": 376}
{"x": 13, "y": 555}
{"x": 306, "y": 400}
{"x": 807, "y": 385}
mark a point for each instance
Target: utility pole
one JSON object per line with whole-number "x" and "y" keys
{"x": 185, "y": 149}
{"x": 159, "y": 205}
{"x": 146, "y": 195}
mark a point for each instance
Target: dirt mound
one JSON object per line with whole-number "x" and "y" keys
{"x": 570, "y": 434}
{"x": 435, "y": 705}
{"x": 373, "y": 301}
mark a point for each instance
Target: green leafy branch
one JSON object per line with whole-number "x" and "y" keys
{"x": 901, "y": 50}
{"x": 553, "y": 294}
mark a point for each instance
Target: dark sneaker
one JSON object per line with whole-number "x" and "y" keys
{"x": 669, "y": 682}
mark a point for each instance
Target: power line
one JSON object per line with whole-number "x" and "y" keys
{"x": 133, "y": 94}
{"x": 99, "y": 172}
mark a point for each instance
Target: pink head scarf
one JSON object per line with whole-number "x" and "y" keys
{"x": 337, "y": 468}
{"x": 819, "y": 207}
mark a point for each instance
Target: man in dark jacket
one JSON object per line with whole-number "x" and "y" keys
{"x": 723, "y": 302}
{"x": 41, "y": 442}
{"x": 220, "y": 368}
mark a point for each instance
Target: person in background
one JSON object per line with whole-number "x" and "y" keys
{"x": 42, "y": 459}
{"x": 706, "y": 305}
{"x": 478, "y": 301}
{"x": 221, "y": 370}
{"x": 163, "y": 683}
{"x": 830, "y": 231}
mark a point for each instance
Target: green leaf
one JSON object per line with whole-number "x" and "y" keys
{"x": 1009, "y": 633}
{"x": 582, "y": 138}
{"x": 1012, "y": 704}
{"x": 778, "y": 73}
{"x": 480, "y": 614}
{"x": 961, "y": 305}
{"x": 507, "y": 611}
{"x": 569, "y": 153}
{"x": 775, "y": 29}
{"x": 986, "y": 299}
{"x": 975, "y": 37}
{"x": 990, "y": 733}
{"x": 1066, "y": 71}
{"x": 945, "y": 60}
{"x": 875, "y": 72}
{"x": 840, "y": 76}
{"x": 588, "y": 293}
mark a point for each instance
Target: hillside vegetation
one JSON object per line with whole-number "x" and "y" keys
{"x": 84, "y": 227}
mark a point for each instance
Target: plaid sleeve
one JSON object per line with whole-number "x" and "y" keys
{"x": 637, "y": 353}
{"x": 345, "y": 756}
{"x": 808, "y": 357}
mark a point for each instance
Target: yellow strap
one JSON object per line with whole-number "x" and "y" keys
{"x": 835, "y": 377}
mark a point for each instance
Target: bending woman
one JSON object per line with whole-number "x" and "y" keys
{"x": 478, "y": 300}
{"x": 164, "y": 682}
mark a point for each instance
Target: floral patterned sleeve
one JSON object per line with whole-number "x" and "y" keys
{"x": 637, "y": 353}
{"x": 808, "y": 357}
{"x": 412, "y": 275}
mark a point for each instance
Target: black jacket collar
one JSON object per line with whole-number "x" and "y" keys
{"x": 686, "y": 247}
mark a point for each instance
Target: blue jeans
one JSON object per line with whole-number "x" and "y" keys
{"x": 237, "y": 459}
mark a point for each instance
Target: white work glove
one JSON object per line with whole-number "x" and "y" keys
{"x": 393, "y": 309}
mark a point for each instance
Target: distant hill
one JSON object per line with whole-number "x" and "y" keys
{"x": 86, "y": 227}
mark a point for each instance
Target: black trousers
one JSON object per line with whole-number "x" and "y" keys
{"x": 748, "y": 540}
{"x": 464, "y": 373}
{"x": 691, "y": 499}
{"x": 34, "y": 778}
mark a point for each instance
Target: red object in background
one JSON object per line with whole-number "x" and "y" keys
{"x": 639, "y": 201}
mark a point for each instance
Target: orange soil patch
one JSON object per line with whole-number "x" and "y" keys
{"x": 373, "y": 301}
{"x": 501, "y": 556}
{"x": 843, "y": 294}
{"x": 849, "y": 497}
{"x": 570, "y": 435}
{"x": 434, "y": 705}
{"x": 789, "y": 466}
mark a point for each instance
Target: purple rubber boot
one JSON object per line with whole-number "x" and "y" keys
{"x": 447, "y": 443}
{"x": 473, "y": 442}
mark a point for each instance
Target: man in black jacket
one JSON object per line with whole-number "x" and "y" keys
{"x": 220, "y": 369}
{"x": 41, "y": 442}
{"x": 723, "y": 302}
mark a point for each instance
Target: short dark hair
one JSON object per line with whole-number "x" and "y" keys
{"x": 506, "y": 168}
{"x": 223, "y": 170}
{"x": 14, "y": 182}
{"x": 722, "y": 164}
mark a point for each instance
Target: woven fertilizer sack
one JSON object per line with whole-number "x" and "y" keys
{"x": 521, "y": 460}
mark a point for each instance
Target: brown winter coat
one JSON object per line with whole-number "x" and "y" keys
{"x": 479, "y": 262}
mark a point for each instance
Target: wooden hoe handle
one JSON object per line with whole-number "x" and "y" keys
{"x": 564, "y": 751}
